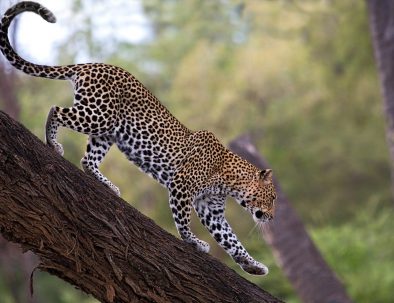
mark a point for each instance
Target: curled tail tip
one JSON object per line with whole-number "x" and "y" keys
{"x": 6, "y": 47}
{"x": 45, "y": 13}
{"x": 31, "y": 6}
{"x": 50, "y": 18}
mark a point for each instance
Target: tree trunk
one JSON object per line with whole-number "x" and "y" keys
{"x": 294, "y": 250}
{"x": 381, "y": 21}
{"x": 87, "y": 236}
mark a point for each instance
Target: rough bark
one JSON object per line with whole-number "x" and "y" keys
{"x": 87, "y": 236}
{"x": 293, "y": 249}
{"x": 381, "y": 20}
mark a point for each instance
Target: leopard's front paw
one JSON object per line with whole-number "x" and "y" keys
{"x": 115, "y": 189}
{"x": 202, "y": 246}
{"x": 58, "y": 148}
{"x": 255, "y": 268}
{"x": 252, "y": 267}
{"x": 198, "y": 244}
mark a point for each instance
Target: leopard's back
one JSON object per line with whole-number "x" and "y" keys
{"x": 142, "y": 128}
{"x": 148, "y": 133}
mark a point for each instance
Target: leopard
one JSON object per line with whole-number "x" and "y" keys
{"x": 113, "y": 108}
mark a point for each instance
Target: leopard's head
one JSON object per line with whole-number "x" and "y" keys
{"x": 259, "y": 196}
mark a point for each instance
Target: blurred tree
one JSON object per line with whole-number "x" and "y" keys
{"x": 381, "y": 18}
{"x": 16, "y": 268}
{"x": 8, "y": 76}
{"x": 8, "y": 90}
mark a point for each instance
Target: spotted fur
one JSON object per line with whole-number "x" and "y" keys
{"x": 113, "y": 107}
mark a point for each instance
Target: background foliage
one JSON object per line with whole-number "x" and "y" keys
{"x": 299, "y": 76}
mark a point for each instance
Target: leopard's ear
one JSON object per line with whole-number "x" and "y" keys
{"x": 266, "y": 176}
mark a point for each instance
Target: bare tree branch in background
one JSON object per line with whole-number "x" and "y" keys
{"x": 8, "y": 81}
{"x": 94, "y": 240}
{"x": 381, "y": 21}
{"x": 294, "y": 250}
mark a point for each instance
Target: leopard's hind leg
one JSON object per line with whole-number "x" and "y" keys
{"x": 90, "y": 120}
{"x": 51, "y": 128}
{"x": 73, "y": 118}
{"x": 97, "y": 148}
{"x": 84, "y": 119}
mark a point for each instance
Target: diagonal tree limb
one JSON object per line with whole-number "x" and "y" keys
{"x": 87, "y": 236}
{"x": 301, "y": 261}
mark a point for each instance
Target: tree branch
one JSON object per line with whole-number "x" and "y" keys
{"x": 94, "y": 240}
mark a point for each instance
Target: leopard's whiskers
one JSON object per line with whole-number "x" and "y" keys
{"x": 253, "y": 228}
{"x": 262, "y": 228}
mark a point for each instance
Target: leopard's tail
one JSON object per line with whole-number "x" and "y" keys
{"x": 53, "y": 72}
